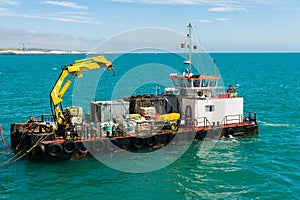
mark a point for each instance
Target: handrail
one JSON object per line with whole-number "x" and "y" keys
{"x": 47, "y": 118}
{"x": 204, "y": 121}
{"x": 238, "y": 118}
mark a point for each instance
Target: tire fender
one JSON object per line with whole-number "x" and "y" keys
{"x": 69, "y": 146}
{"x": 54, "y": 149}
{"x": 138, "y": 142}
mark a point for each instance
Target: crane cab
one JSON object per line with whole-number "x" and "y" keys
{"x": 73, "y": 114}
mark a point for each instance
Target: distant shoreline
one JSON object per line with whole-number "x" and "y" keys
{"x": 65, "y": 52}
{"x": 42, "y": 52}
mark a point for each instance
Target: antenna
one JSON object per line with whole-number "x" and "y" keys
{"x": 215, "y": 68}
{"x": 189, "y": 35}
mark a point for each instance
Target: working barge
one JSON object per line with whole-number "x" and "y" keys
{"x": 195, "y": 108}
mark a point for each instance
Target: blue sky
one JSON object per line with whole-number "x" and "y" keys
{"x": 223, "y": 25}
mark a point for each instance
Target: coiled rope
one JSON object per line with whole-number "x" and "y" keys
{"x": 16, "y": 157}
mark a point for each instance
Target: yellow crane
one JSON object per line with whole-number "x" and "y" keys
{"x": 62, "y": 85}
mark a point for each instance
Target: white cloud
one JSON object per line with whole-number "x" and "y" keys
{"x": 166, "y": 2}
{"x": 223, "y": 19}
{"x": 68, "y": 4}
{"x": 10, "y": 38}
{"x": 217, "y": 5}
{"x": 203, "y": 20}
{"x": 32, "y": 31}
{"x": 175, "y": 2}
{"x": 74, "y": 17}
{"x": 10, "y": 2}
{"x": 4, "y": 12}
{"x": 63, "y": 18}
{"x": 227, "y": 9}
{"x": 73, "y": 13}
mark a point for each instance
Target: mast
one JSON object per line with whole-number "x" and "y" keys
{"x": 189, "y": 46}
{"x": 189, "y": 35}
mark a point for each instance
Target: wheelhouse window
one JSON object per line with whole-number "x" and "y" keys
{"x": 196, "y": 83}
{"x": 175, "y": 82}
{"x": 209, "y": 108}
{"x": 181, "y": 83}
{"x": 188, "y": 83}
{"x": 204, "y": 83}
{"x": 212, "y": 83}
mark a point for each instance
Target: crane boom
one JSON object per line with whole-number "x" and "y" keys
{"x": 61, "y": 86}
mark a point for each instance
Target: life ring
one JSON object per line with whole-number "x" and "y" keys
{"x": 98, "y": 145}
{"x": 112, "y": 144}
{"x": 54, "y": 149}
{"x": 151, "y": 140}
{"x": 37, "y": 153}
{"x": 138, "y": 142}
{"x": 69, "y": 146}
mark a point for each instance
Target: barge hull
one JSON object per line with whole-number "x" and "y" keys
{"x": 43, "y": 145}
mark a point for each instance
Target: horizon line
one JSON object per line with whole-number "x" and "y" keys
{"x": 15, "y": 50}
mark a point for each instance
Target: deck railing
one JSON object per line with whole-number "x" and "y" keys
{"x": 47, "y": 118}
{"x": 203, "y": 122}
{"x": 232, "y": 118}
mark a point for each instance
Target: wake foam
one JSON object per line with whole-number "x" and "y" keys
{"x": 276, "y": 125}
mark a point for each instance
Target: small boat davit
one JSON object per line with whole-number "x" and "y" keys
{"x": 195, "y": 108}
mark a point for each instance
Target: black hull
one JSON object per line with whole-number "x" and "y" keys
{"x": 29, "y": 143}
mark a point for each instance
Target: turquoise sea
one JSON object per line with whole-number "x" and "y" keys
{"x": 266, "y": 166}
